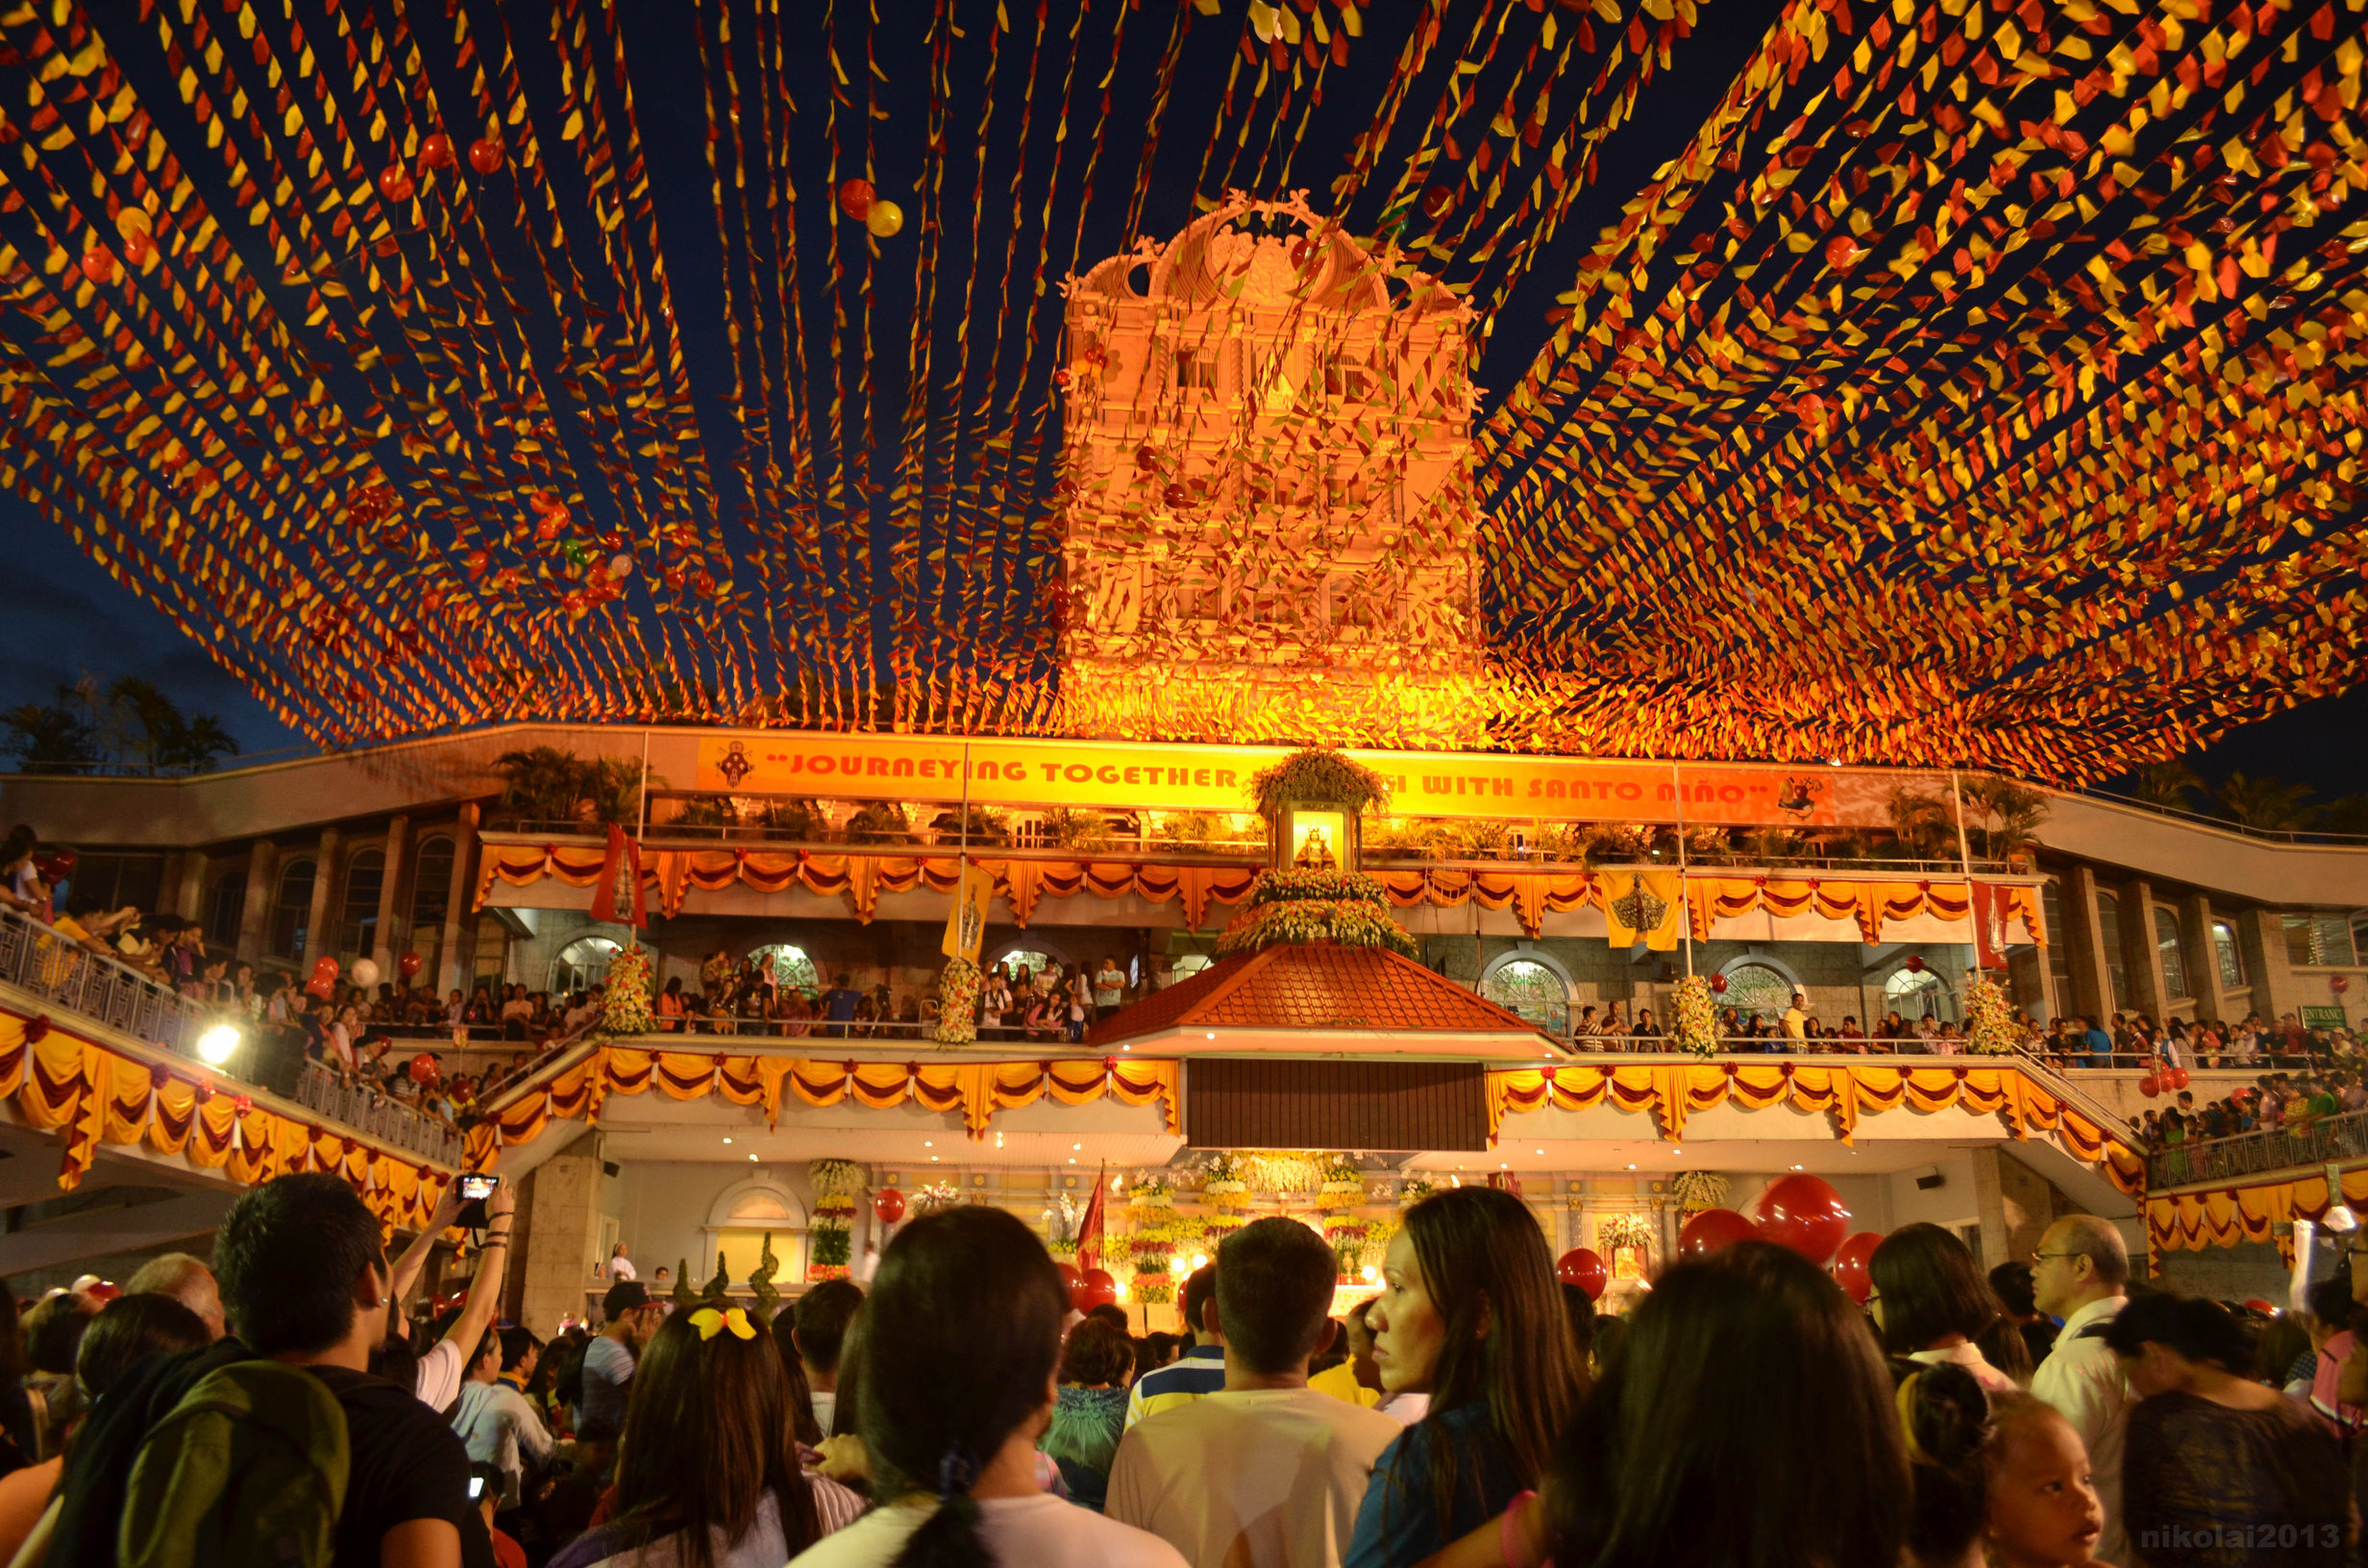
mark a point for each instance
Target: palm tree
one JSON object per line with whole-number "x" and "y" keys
{"x": 614, "y": 785}
{"x": 2263, "y": 802}
{"x": 49, "y": 738}
{"x": 2173, "y": 784}
{"x": 1926, "y": 828}
{"x": 2001, "y": 816}
{"x": 541, "y": 785}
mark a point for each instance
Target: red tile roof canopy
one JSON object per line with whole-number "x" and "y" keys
{"x": 1318, "y": 985}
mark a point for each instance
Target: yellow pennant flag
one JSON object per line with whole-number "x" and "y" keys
{"x": 966, "y": 924}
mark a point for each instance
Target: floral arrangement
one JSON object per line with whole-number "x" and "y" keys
{"x": 1698, "y": 1190}
{"x": 1624, "y": 841}
{"x": 1357, "y": 921}
{"x": 1293, "y": 884}
{"x": 1341, "y": 1195}
{"x": 957, "y": 1003}
{"x": 1154, "y": 1228}
{"x": 1697, "y": 1021}
{"x": 835, "y": 1183}
{"x": 1613, "y": 1232}
{"x": 624, "y": 1000}
{"x": 1226, "y": 1196}
{"x": 1318, "y": 774}
{"x": 1413, "y": 1192}
{"x": 940, "y": 1195}
{"x": 1989, "y": 1019}
{"x": 1279, "y": 1173}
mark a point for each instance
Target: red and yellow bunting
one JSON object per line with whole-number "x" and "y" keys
{"x": 975, "y": 1090}
{"x": 1846, "y": 1091}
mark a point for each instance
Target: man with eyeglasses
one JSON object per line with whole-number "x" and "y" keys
{"x": 2080, "y": 1273}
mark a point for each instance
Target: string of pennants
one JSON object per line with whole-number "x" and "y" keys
{"x": 1980, "y": 383}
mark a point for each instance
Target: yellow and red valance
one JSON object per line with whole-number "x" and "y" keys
{"x": 977, "y": 1090}
{"x": 2191, "y": 1221}
{"x": 1024, "y": 884}
{"x": 93, "y": 1094}
{"x": 1672, "y": 1091}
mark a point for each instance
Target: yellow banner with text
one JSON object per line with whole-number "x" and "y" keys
{"x": 1140, "y": 776}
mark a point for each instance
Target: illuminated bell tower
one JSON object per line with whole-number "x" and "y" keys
{"x": 1266, "y": 520}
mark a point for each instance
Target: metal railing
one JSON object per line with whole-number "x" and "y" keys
{"x": 51, "y": 965}
{"x": 377, "y": 1115}
{"x": 47, "y": 963}
{"x": 2343, "y": 1136}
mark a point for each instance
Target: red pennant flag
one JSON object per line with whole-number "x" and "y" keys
{"x": 1090, "y": 1228}
{"x": 618, "y": 898}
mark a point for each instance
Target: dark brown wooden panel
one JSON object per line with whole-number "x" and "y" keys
{"x": 1249, "y": 1104}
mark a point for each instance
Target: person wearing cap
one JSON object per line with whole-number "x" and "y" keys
{"x": 608, "y": 1360}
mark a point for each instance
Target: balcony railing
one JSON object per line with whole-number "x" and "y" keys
{"x": 2340, "y": 1136}
{"x": 54, "y": 967}
{"x": 377, "y": 1115}
{"x": 63, "y": 973}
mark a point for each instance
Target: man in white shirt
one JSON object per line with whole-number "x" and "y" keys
{"x": 1796, "y": 1020}
{"x": 1266, "y": 1472}
{"x": 2080, "y": 1273}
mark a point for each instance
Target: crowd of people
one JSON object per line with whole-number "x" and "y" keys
{"x": 1472, "y": 1410}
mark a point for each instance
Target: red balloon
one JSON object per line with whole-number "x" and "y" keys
{"x": 2150, "y": 1085}
{"x": 2179, "y": 1078}
{"x": 855, "y": 199}
{"x": 1914, "y": 963}
{"x": 103, "y": 1291}
{"x": 2256, "y": 1303}
{"x": 325, "y": 967}
{"x": 424, "y": 1070}
{"x": 1713, "y": 1230}
{"x": 485, "y": 155}
{"x": 1719, "y": 983}
{"x": 436, "y": 151}
{"x": 99, "y": 264}
{"x": 408, "y": 966}
{"x": 889, "y": 1206}
{"x": 394, "y": 183}
{"x": 1804, "y": 1213}
{"x": 1094, "y": 1288}
{"x": 138, "y": 247}
{"x": 318, "y": 986}
{"x": 1069, "y": 1277}
{"x": 1580, "y": 1267}
{"x": 1850, "y": 1265}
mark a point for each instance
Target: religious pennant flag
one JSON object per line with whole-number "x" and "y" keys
{"x": 966, "y": 924}
{"x": 618, "y": 898}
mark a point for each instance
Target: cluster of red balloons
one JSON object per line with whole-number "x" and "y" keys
{"x": 324, "y": 981}
{"x": 2153, "y": 1084}
{"x": 1094, "y": 1288}
{"x": 1801, "y": 1213}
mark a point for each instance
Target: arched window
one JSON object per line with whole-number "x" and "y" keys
{"x": 1755, "y": 990}
{"x": 431, "y": 896}
{"x": 226, "y": 909}
{"x": 357, "y": 931}
{"x": 582, "y": 964}
{"x": 1525, "y": 984}
{"x": 789, "y": 966}
{"x": 291, "y": 913}
{"x": 1030, "y": 959}
{"x": 1917, "y": 993}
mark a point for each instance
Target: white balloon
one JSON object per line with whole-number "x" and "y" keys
{"x": 364, "y": 973}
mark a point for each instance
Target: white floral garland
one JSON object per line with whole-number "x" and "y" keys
{"x": 1699, "y": 1190}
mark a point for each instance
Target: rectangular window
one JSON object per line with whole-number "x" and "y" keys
{"x": 2108, "y": 933}
{"x": 2231, "y": 957}
{"x": 2316, "y": 941}
{"x": 2166, "y": 943}
{"x": 2058, "y": 950}
{"x": 1195, "y": 370}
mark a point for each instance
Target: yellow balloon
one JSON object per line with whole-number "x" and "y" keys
{"x": 884, "y": 219}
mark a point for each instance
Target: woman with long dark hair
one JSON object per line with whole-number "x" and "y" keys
{"x": 1748, "y": 1419}
{"x": 1471, "y": 1315}
{"x": 960, "y": 1338}
{"x": 707, "y": 1466}
{"x": 1930, "y": 1303}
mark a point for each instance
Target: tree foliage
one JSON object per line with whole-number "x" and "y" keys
{"x": 126, "y": 725}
